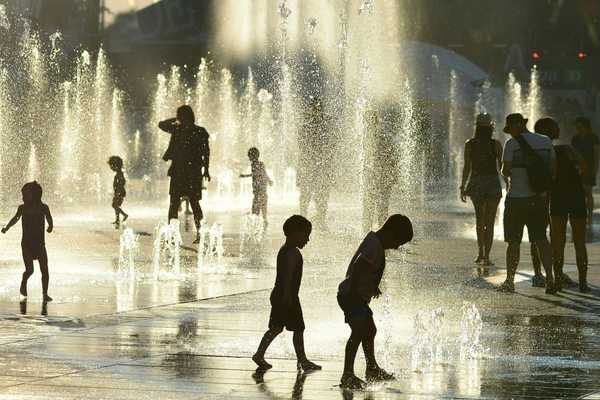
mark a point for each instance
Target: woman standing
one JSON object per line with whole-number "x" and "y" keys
{"x": 567, "y": 201}
{"x": 189, "y": 154}
{"x": 482, "y": 161}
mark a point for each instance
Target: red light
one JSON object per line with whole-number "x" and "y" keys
{"x": 582, "y": 55}
{"x": 536, "y": 55}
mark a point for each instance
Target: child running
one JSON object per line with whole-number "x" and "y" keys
{"x": 286, "y": 311}
{"x": 33, "y": 244}
{"x": 116, "y": 164}
{"x": 260, "y": 180}
{"x": 356, "y": 291}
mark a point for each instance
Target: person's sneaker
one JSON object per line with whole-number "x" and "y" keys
{"x": 351, "y": 381}
{"x": 307, "y": 366}
{"x": 260, "y": 361}
{"x": 566, "y": 280}
{"x": 486, "y": 262}
{"x": 551, "y": 287}
{"x": 378, "y": 374}
{"x": 506, "y": 287}
{"x": 538, "y": 281}
{"x": 47, "y": 299}
{"x": 584, "y": 288}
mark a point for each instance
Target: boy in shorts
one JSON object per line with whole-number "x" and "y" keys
{"x": 286, "y": 311}
{"x": 116, "y": 164}
{"x": 356, "y": 291}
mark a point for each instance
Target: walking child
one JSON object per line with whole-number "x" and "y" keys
{"x": 286, "y": 311}
{"x": 356, "y": 291}
{"x": 34, "y": 213}
{"x": 116, "y": 164}
{"x": 260, "y": 180}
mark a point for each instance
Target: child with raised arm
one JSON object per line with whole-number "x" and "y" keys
{"x": 356, "y": 291}
{"x": 33, "y": 213}
{"x": 260, "y": 180}
{"x": 116, "y": 164}
{"x": 286, "y": 311}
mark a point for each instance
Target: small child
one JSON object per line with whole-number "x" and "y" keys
{"x": 116, "y": 164}
{"x": 33, "y": 244}
{"x": 260, "y": 180}
{"x": 356, "y": 291}
{"x": 286, "y": 311}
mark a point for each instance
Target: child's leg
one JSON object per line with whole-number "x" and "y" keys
{"x": 43, "y": 260}
{"x": 263, "y": 209}
{"x": 28, "y": 261}
{"x": 358, "y": 328}
{"x": 268, "y": 337}
{"x": 197, "y": 210}
{"x": 368, "y": 343}
{"x": 298, "y": 340}
{"x": 255, "y": 204}
{"x": 174, "y": 202}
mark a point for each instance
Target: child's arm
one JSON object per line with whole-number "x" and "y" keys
{"x": 14, "y": 219}
{"x": 290, "y": 262}
{"x": 245, "y": 175}
{"x": 49, "y": 219}
{"x": 168, "y": 125}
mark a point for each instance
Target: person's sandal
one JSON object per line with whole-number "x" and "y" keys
{"x": 378, "y": 374}
{"x": 538, "y": 281}
{"x": 262, "y": 364}
{"x": 506, "y": 287}
{"x": 352, "y": 382}
{"x": 308, "y": 366}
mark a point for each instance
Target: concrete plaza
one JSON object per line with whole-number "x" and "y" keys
{"x": 110, "y": 335}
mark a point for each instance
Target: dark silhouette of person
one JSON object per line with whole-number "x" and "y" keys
{"x": 260, "y": 181}
{"x": 189, "y": 154}
{"x": 286, "y": 311}
{"x": 316, "y": 149}
{"x": 34, "y": 213}
{"x": 116, "y": 164}
{"x": 567, "y": 202}
{"x": 355, "y": 292}
{"x": 380, "y": 172}
{"x": 587, "y": 145}
{"x": 482, "y": 163}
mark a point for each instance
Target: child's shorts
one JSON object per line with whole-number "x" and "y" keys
{"x": 117, "y": 201}
{"x": 354, "y": 307}
{"x": 290, "y": 318}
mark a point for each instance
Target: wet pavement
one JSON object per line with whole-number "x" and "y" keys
{"x": 110, "y": 334}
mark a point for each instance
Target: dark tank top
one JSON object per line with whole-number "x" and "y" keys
{"x": 568, "y": 180}
{"x": 483, "y": 157}
{"x": 277, "y": 293}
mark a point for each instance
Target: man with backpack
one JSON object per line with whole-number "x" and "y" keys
{"x": 529, "y": 163}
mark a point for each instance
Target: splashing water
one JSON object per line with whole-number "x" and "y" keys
{"x": 167, "y": 242}
{"x": 4, "y": 22}
{"x": 471, "y": 327}
{"x": 128, "y": 245}
{"x": 428, "y": 344}
{"x": 210, "y": 248}
{"x": 366, "y": 7}
{"x": 252, "y": 234}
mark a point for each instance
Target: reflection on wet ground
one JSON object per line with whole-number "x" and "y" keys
{"x": 111, "y": 335}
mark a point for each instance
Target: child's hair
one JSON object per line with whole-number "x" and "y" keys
{"x": 399, "y": 225}
{"x": 186, "y": 114}
{"x": 253, "y": 152}
{"x": 32, "y": 192}
{"x": 296, "y": 223}
{"x": 115, "y": 161}
{"x": 545, "y": 126}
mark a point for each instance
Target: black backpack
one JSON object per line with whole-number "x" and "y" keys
{"x": 540, "y": 178}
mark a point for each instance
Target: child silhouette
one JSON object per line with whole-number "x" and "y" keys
{"x": 33, "y": 245}
{"x": 116, "y": 164}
